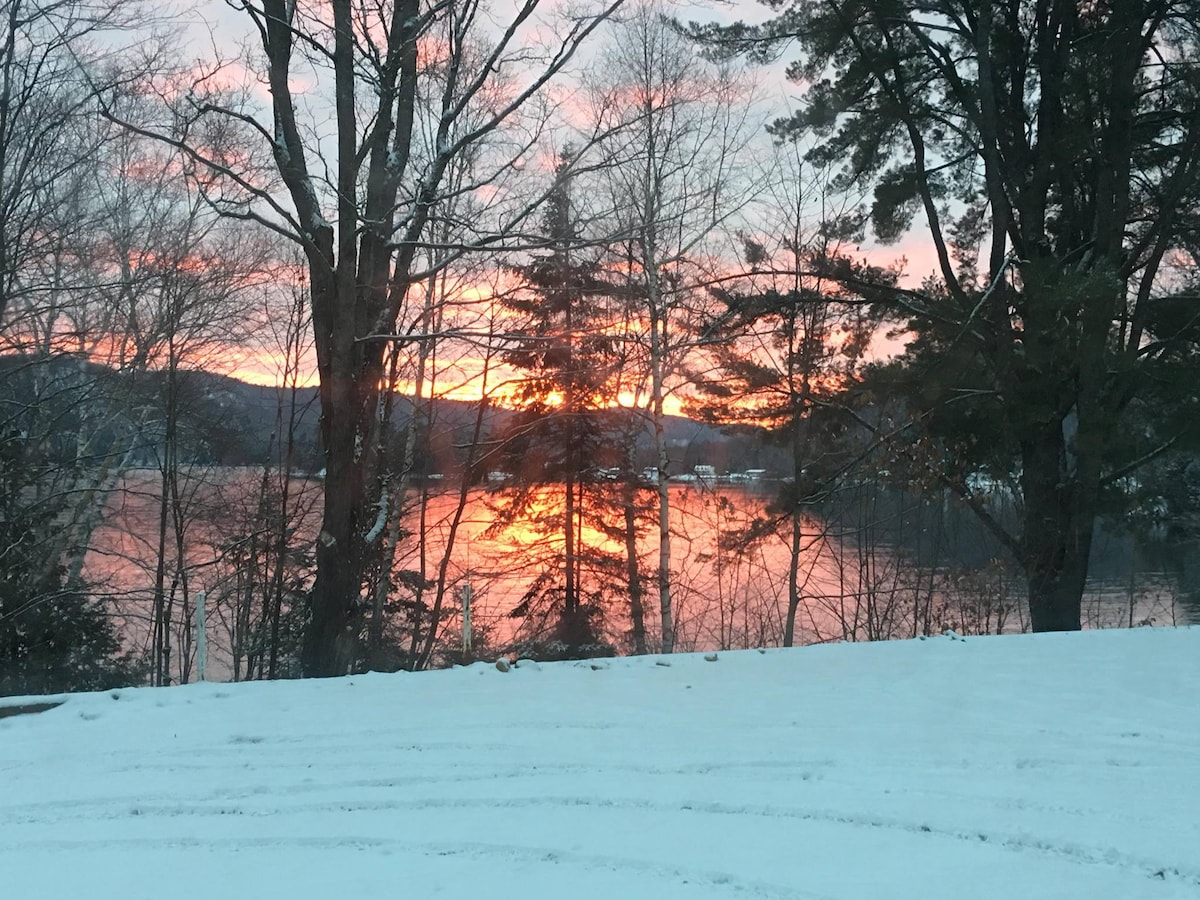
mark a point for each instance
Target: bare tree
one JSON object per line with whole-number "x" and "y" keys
{"x": 672, "y": 179}
{"x": 51, "y": 62}
{"x": 359, "y": 202}
{"x": 177, "y": 280}
{"x": 59, "y": 451}
{"x": 792, "y": 340}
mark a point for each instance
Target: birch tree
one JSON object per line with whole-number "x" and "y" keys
{"x": 673, "y": 181}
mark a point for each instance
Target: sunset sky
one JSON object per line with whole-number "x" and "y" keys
{"x": 214, "y": 30}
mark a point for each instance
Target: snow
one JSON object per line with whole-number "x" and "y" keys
{"x": 1048, "y": 766}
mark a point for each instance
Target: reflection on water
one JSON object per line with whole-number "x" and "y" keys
{"x": 731, "y": 593}
{"x": 727, "y": 592}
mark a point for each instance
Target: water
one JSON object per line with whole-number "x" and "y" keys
{"x": 726, "y": 593}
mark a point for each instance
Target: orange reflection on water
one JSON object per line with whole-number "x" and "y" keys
{"x": 726, "y": 593}
{"x": 543, "y": 519}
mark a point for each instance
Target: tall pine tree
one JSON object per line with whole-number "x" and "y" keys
{"x": 1050, "y": 152}
{"x": 560, "y": 434}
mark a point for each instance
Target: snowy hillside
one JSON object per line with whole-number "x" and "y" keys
{"x": 1059, "y": 766}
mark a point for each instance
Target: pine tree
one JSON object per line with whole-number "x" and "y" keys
{"x": 559, "y": 435}
{"x": 53, "y": 637}
{"x": 1050, "y": 152}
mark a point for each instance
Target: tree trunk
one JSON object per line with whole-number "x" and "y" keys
{"x": 633, "y": 575}
{"x": 336, "y": 611}
{"x": 789, "y": 628}
{"x": 664, "y": 497}
{"x": 330, "y": 640}
{"x": 1057, "y": 532}
{"x": 573, "y": 459}
{"x": 801, "y": 401}
{"x": 162, "y": 638}
{"x": 283, "y": 515}
{"x": 571, "y": 599}
{"x": 464, "y": 489}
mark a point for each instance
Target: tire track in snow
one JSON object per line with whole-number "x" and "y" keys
{"x": 494, "y": 852}
{"x": 807, "y": 770}
{"x": 1079, "y": 854}
{"x": 661, "y": 871}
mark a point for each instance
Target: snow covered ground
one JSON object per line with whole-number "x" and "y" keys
{"x": 1057, "y": 766}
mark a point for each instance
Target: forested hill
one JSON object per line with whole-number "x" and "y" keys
{"x": 254, "y": 408}
{"x": 227, "y": 421}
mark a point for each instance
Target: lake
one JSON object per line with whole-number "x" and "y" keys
{"x": 858, "y": 579}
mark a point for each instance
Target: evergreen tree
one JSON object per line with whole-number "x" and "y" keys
{"x": 559, "y": 436}
{"x": 53, "y": 637}
{"x": 1051, "y": 151}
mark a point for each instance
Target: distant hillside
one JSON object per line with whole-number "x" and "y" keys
{"x": 231, "y": 422}
{"x": 254, "y": 406}
{"x": 255, "y": 409}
